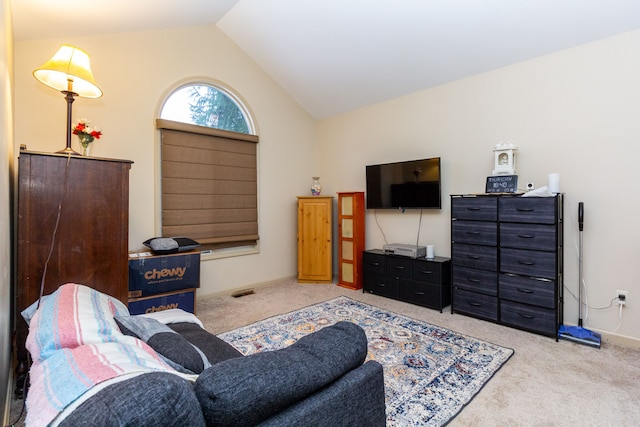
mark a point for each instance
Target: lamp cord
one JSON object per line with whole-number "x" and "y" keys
{"x": 55, "y": 229}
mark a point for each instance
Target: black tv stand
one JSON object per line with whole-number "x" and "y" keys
{"x": 421, "y": 281}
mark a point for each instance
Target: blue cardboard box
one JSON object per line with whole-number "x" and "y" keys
{"x": 185, "y": 300}
{"x": 157, "y": 274}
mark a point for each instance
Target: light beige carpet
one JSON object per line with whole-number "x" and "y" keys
{"x": 545, "y": 383}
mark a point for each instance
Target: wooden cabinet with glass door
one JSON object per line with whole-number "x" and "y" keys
{"x": 350, "y": 239}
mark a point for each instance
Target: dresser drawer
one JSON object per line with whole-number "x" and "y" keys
{"x": 398, "y": 267}
{"x": 540, "y": 292}
{"x": 374, "y": 263}
{"x": 482, "y": 257}
{"x": 536, "y": 319}
{"x": 541, "y": 237}
{"x": 380, "y": 285}
{"x": 471, "y": 279}
{"x": 537, "y": 210}
{"x": 426, "y": 271}
{"x": 474, "y": 304}
{"x": 474, "y": 232}
{"x": 528, "y": 263}
{"x": 475, "y": 208}
{"x": 423, "y": 294}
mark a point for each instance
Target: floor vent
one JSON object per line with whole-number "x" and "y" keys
{"x": 242, "y": 293}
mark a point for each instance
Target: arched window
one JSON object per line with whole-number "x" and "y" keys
{"x": 206, "y": 105}
{"x": 209, "y": 168}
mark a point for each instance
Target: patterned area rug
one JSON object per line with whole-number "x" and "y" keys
{"x": 430, "y": 373}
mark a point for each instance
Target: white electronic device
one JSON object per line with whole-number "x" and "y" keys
{"x": 412, "y": 251}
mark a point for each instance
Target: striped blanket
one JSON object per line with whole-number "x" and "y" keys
{"x": 75, "y": 345}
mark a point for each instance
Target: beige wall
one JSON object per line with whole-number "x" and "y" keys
{"x": 6, "y": 154}
{"x": 575, "y": 112}
{"x": 135, "y": 71}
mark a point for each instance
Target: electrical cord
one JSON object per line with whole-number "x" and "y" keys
{"x": 55, "y": 229}
{"x": 375, "y": 215}
{"x": 583, "y": 282}
{"x": 419, "y": 226}
{"x": 384, "y": 237}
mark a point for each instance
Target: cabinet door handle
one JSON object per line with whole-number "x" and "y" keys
{"x": 526, "y": 262}
{"x": 525, "y": 209}
{"x": 526, "y": 291}
{"x": 526, "y": 316}
{"x": 526, "y": 236}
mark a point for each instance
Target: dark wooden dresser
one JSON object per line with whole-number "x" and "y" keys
{"x": 73, "y": 220}
{"x": 507, "y": 260}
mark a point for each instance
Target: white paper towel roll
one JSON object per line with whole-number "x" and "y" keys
{"x": 554, "y": 182}
{"x": 430, "y": 251}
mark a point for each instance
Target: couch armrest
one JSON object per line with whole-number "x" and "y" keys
{"x": 357, "y": 400}
{"x": 248, "y": 390}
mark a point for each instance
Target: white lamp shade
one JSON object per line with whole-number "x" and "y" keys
{"x": 69, "y": 70}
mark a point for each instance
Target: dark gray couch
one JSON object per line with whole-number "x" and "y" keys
{"x": 321, "y": 380}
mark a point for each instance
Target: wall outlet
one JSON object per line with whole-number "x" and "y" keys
{"x": 622, "y": 297}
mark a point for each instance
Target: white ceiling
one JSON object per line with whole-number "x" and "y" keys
{"x": 334, "y": 56}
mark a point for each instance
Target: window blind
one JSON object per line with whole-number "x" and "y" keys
{"x": 209, "y": 185}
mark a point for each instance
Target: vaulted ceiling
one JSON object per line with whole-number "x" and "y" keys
{"x": 334, "y": 56}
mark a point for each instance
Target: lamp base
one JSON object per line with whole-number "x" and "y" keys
{"x": 69, "y": 151}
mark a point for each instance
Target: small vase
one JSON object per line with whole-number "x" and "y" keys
{"x": 86, "y": 150}
{"x": 315, "y": 186}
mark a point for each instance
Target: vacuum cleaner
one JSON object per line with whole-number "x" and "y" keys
{"x": 578, "y": 333}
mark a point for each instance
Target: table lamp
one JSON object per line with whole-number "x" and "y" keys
{"x": 69, "y": 71}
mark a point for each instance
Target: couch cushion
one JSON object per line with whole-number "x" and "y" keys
{"x": 215, "y": 349}
{"x": 165, "y": 341}
{"x": 247, "y": 390}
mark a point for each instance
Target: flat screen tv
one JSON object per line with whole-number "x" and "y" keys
{"x": 413, "y": 184}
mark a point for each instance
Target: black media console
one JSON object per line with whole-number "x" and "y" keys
{"x": 421, "y": 281}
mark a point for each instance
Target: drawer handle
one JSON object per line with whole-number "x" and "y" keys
{"x": 375, "y": 264}
{"x": 398, "y": 267}
{"x": 419, "y": 293}
{"x": 382, "y": 285}
{"x": 526, "y": 316}
{"x": 473, "y": 209}
{"x": 525, "y": 209}
{"x": 526, "y": 291}
{"x": 471, "y": 279}
{"x": 475, "y": 304}
{"x": 526, "y": 236}
{"x": 473, "y": 256}
{"x": 426, "y": 272}
{"x": 526, "y": 262}
{"x": 473, "y": 233}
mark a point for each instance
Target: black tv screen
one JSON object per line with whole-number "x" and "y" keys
{"x": 413, "y": 184}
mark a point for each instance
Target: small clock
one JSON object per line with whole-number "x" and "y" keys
{"x": 505, "y": 158}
